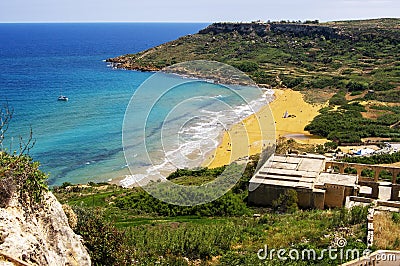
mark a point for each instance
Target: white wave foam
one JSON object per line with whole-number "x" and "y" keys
{"x": 199, "y": 139}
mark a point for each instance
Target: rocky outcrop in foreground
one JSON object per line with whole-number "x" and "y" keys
{"x": 39, "y": 236}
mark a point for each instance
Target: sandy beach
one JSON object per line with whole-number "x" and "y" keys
{"x": 261, "y": 129}
{"x": 300, "y": 114}
{"x": 289, "y": 113}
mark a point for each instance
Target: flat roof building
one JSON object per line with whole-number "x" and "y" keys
{"x": 305, "y": 174}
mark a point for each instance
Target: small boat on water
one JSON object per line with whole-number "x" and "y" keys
{"x": 63, "y": 98}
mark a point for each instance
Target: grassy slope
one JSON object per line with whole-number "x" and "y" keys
{"x": 227, "y": 240}
{"x": 120, "y": 225}
{"x": 141, "y": 231}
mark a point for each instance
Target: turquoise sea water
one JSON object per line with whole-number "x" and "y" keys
{"x": 79, "y": 140}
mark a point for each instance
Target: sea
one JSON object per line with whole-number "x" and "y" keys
{"x": 80, "y": 140}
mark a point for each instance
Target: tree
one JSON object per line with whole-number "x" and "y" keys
{"x": 287, "y": 202}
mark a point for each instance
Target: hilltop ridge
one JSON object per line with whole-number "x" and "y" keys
{"x": 263, "y": 29}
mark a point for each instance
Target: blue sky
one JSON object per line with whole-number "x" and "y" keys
{"x": 192, "y": 10}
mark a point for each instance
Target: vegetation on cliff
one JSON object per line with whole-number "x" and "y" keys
{"x": 291, "y": 54}
{"x": 33, "y": 227}
{"x": 19, "y": 174}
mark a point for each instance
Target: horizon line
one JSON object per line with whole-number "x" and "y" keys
{"x": 183, "y": 22}
{"x": 82, "y": 22}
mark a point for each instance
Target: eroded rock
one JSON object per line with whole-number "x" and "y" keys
{"x": 40, "y": 235}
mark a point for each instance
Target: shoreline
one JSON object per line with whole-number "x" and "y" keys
{"x": 299, "y": 113}
{"x": 248, "y": 134}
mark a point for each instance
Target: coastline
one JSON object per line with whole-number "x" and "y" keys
{"x": 247, "y": 137}
{"x": 248, "y": 134}
{"x": 300, "y": 114}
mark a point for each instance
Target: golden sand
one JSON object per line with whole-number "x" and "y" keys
{"x": 243, "y": 139}
{"x": 247, "y": 136}
{"x": 303, "y": 113}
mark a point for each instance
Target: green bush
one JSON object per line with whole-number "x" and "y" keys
{"x": 19, "y": 174}
{"x": 355, "y": 215}
{"x": 247, "y": 66}
{"x": 215, "y": 172}
{"x": 321, "y": 82}
{"x": 338, "y": 99}
{"x": 287, "y": 202}
{"x": 291, "y": 82}
{"x": 396, "y": 217}
{"x": 142, "y": 203}
{"x": 262, "y": 77}
{"x": 381, "y": 86}
{"x": 356, "y": 86}
{"x": 375, "y": 159}
{"x": 106, "y": 244}
{"x": 356, "y": 93}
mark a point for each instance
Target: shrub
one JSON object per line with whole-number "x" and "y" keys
{"x": 381, "y": 86}
{"x": 353, "y": 216}
{"x": 142, "y": 203}
{"x": 375, "y": 159}
{"x": 247, "y": 66}
{"x": 396, "y": 217}
{"x": 287, "y": 202}
{"x": 338, "y": 99}
{"x": 105, "y": 244}
{"x": 291, "y": 82}
{"x": 19, "y": 174}
{"x": 355, "y": 86}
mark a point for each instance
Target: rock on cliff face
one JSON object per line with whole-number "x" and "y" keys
{"x": 40, "y": 236}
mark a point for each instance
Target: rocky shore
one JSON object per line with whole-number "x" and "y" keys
{"x": 127, "y": 62}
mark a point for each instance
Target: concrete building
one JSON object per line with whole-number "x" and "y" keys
{"x": 305, "y": 174}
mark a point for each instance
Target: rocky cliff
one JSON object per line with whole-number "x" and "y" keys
{"x": 39, "y": 235}
{"x": 262, "y": 29}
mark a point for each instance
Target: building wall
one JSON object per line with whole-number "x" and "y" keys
{"x": 329, "y": 196}
{"x": 264, "y": 195}
{"x": 334, "y": 196}
{"x": 318, "y": 199}
{"x": 395, "y": 194}
{"x": 305, "y": 197}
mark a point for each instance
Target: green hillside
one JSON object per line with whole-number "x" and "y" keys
{"x": 353, "y": 61}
